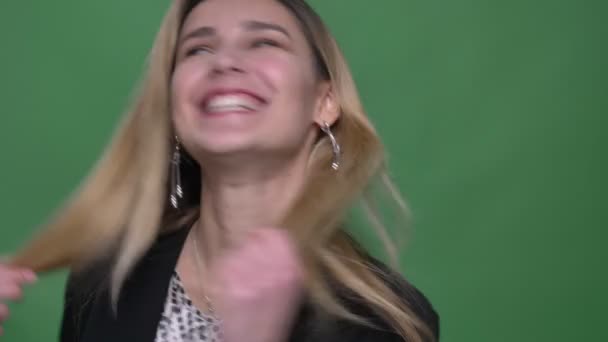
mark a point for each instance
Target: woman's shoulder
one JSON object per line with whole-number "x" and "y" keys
{"x": 95, "y": 276}
{"x": 315, "y": 326}
{"x": 409, "y": 295}
{"x": 87, "y": 288}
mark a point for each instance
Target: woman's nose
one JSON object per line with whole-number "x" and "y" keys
{"x": 227, "y": 61}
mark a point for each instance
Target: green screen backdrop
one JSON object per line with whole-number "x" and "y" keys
{"x": 493, "y": 113}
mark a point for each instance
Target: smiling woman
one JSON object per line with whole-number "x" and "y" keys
{"x": 219, "y": 207}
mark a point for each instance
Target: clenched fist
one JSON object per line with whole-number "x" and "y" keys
{"x": 256, "y": 288}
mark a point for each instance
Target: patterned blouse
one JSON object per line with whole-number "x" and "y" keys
{"x": 181, "y": 321}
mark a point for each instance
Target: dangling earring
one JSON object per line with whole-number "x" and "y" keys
{"x": 334, "y": 144}
{"x": 176, "y": 181}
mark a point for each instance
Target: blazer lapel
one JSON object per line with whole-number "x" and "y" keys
{"x": 142, "y": 298}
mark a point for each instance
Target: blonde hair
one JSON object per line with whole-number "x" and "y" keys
{"x": 123, "y": 205}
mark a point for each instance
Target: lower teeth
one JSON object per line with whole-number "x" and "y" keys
{"x": 225, "y": 109}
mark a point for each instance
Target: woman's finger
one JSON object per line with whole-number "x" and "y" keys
{"x": 19, "y": 275}
{"x": 28, "y": 276}
{"x": 10, "y": 291}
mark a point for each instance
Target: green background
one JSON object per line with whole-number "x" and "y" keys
{"x": 494, "y": 114}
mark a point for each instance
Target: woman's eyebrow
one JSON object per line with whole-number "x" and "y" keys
{"x": 201, "y": 32}
{"x": 250, "y": 25}
{"x": 254, "y": 25}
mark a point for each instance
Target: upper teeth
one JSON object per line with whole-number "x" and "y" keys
{"x": 231, "y": 102}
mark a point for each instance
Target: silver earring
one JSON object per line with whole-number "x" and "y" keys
{"x": 177, "y": 192}
{"x": 334, "y": 145}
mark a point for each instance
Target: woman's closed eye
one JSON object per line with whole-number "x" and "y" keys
{"x": 256, "y": 43}
{"x": 262, "y": 42}
{"x": 198, "y": 50}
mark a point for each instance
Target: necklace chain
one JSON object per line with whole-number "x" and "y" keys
{"x": 199, "y": 266}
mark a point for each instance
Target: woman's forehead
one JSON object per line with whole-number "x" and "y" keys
{"x": 221, "y": 14}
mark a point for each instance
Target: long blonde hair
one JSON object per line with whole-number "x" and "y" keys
{"x": 122, "y": 207}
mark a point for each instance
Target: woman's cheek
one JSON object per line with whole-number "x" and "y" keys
{"x": 183, "y": 91}
{"x": 186, "y": 81}
{"x": 191, "y": 70}
{"x": 277, "y": 71}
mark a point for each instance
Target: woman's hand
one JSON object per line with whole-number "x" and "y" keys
{"x": 256, "y": 288}
{"x": 12, "y": 280}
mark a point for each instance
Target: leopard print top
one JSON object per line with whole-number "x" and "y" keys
{"x": 181, "y": 321}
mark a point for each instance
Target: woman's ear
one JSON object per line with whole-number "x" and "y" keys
{"x": 327, "y": 109}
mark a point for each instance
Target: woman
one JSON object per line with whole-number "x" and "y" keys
{"x": 217, "y": 212}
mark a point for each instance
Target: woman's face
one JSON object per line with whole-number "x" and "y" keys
{"x": 244, "y": 81}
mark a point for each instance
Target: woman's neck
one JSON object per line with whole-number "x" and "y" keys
{"x": 232, "y": 204}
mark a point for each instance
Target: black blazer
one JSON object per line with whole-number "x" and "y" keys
{"x": 88, "y": 315}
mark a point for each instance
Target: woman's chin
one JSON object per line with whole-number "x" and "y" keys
{"x": 226, "y": 148}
